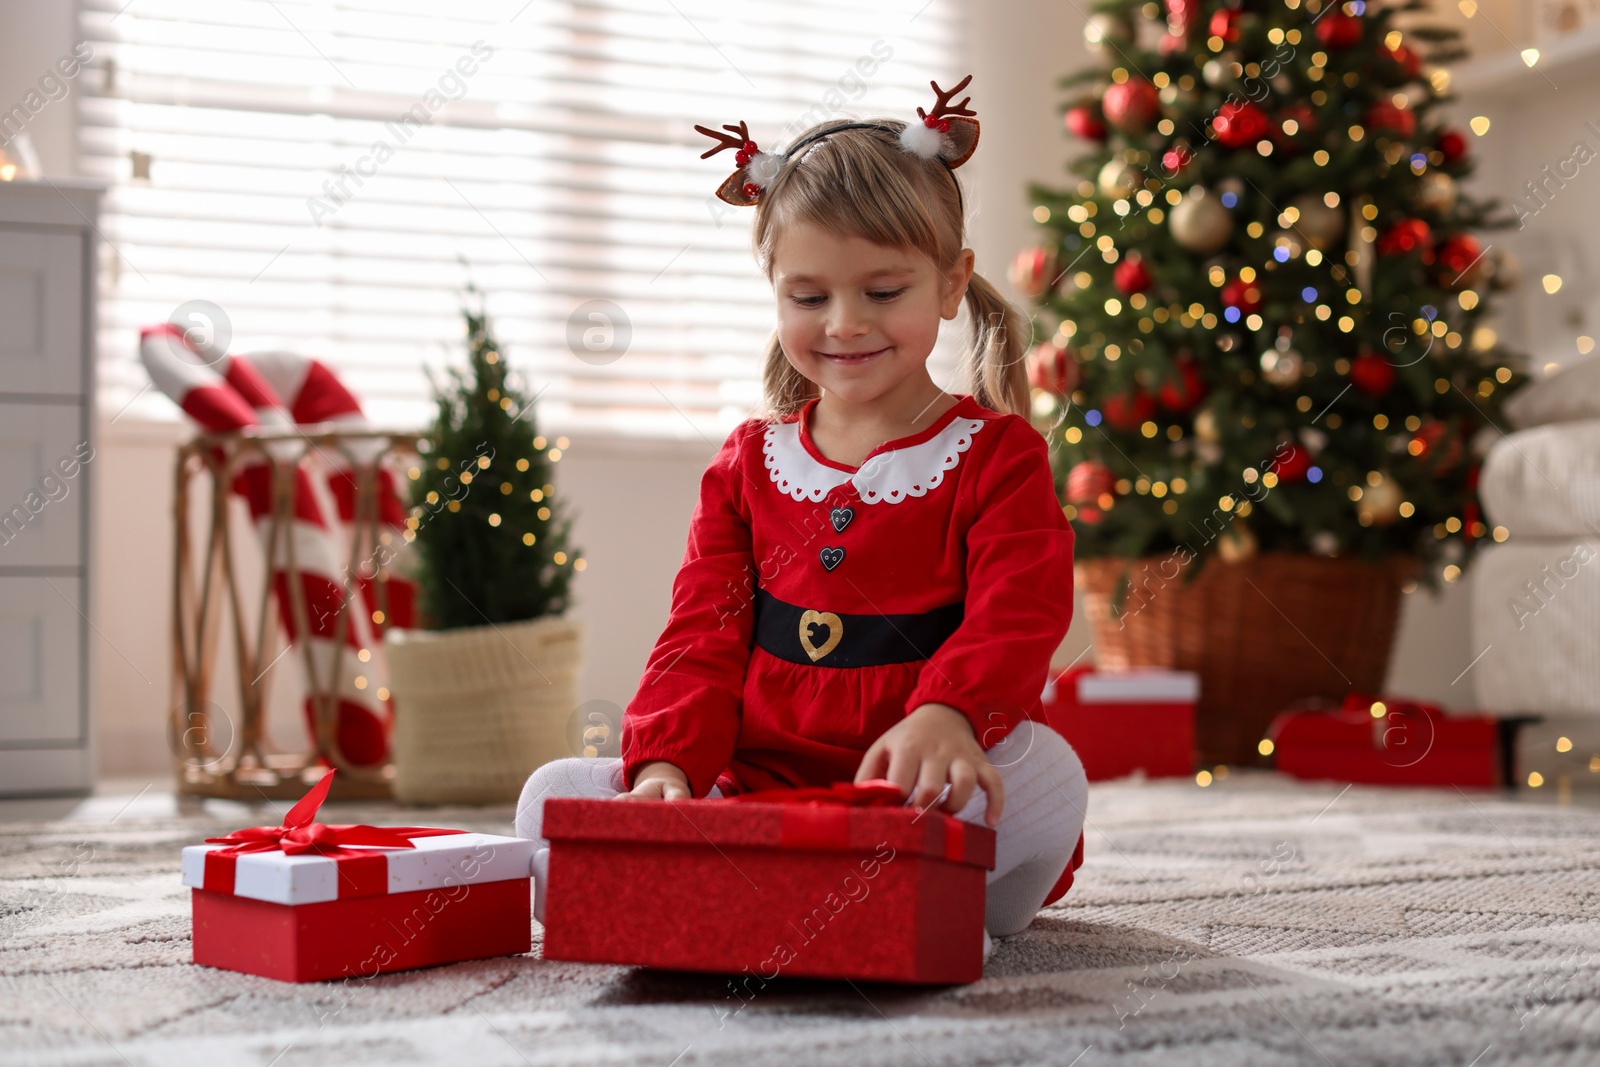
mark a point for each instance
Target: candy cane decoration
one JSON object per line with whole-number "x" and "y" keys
{"x": 225, "y": 394}
{"x": 314, "y": 394}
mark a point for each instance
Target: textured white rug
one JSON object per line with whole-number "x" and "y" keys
{"x": 1260, "y": 921}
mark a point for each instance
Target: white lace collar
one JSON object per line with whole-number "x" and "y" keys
{"x": 886, "y": 477}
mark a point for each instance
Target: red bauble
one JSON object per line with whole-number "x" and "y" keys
{"x": 1184, "y": 391}
{"x": 1031, "y": 271}
{"x": 1372, "y": 374}
{"x": 1452, "y": 145}
{"x": 1128, "y": 411}
{"x": 1240, "y": 123}
{"x": 1460, "y": 261}
{"x": 1246, "y": 296}
{"x": 1179, "y": 14}
{"x": 1088, "y": 481}
{"x": 1131, "y": 276}
{"x": 1291, "y": 464}
{"x": 1132, "y": 105}
{"x": 1405, "y": 237}
{"x": 1338, "y": 30}
{"x": 1385, "y": 117}
{"x": 1409, "y": 62}
{"x": 1176, "y": 158}
{"x": 1471, "y": 516}
{"x": 1052, "y": 369}
{"x": 1084, "y": 121}
{"x": 1225, "y": 24}
{"x": 1435, "y": 447}
{"x": 1170, "y": 44}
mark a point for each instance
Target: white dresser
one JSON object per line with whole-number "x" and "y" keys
{"x": 48, "y": 251}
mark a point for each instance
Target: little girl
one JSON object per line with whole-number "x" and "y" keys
{"x": 878, "y": 572}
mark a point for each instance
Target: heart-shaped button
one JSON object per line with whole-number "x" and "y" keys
{"x": 840, "y": 517}
{"x": 831, "y": 557}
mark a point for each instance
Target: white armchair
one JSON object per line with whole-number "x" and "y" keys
{"x": 1536, "y": 597}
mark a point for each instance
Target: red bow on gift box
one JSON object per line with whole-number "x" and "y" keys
{"x": 872, "y": 792}
{"x": 300, "y": 834}
{"x": 818, "y": 817}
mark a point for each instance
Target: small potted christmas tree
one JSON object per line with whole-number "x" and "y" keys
{"x": 483, "y": 690}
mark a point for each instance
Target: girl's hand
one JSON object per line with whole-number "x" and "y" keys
{"x": 658, "y": 780}
{"x": 933, "y": 744}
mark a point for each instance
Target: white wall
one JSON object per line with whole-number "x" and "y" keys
{"x": 33, "y": 35}
{"x": 633, "y": 504}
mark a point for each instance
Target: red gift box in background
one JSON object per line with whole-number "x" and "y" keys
{"x": 1385, "y": 741}
{"x": 1126, "y": 721}
{"x": 307, "y": 901}
{"x": 835, "y": 882}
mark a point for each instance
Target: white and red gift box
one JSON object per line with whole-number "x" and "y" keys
{"x": 1123, "y": 722}
{"x": 307, "y": 901}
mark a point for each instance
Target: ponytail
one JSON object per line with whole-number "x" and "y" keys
{"x": 998, "y": 379}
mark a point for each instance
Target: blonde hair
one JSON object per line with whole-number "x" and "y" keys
{"x": 861, "y": 183}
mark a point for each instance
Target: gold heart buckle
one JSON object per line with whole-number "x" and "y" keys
{"x": 835, "y": 627}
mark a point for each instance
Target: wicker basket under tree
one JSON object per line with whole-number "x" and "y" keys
{"x": 483, "y": 694}
{"x": 1262, "y": 633}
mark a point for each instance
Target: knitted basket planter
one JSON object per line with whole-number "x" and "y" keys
{"x": 1262, "y": 633}
{"x": 478, "y": 709}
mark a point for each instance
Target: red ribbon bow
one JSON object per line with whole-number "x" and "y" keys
{"x": 300, "y": 834}
{"x": 874, "y": 792}
{"x": 818, "y": 817}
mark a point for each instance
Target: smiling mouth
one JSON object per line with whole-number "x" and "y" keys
{"x": 853, "y": 357}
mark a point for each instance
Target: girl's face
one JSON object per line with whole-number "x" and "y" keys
{"x": 845, "y": 296}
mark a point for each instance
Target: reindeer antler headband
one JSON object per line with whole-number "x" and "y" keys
{"x": 948, "y": 133}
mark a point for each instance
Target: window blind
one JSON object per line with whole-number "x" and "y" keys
{"x": 332, "y": 173}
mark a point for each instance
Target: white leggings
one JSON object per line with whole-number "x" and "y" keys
{"x": 1046, "y": 796}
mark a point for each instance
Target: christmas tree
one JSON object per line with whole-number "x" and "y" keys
{"x": 489, "y": 530}
{"x": 1263, "y": 304}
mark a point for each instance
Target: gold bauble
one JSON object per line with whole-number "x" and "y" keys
{"x": 1380, "y": 504}
{"x": 1107, "y": 34}
{"x": 1282, "y": 367}
{"x": 1199, "y": 222}
{"x": 1117, "y": 179}
{"x": 1237, "y": 543}
{"x": 1205, "y": 426}
{"x": 1322, "y": 225}
{"x": 1436, "y": 192}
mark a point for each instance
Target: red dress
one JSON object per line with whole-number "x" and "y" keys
{"x": 818, "y": 604}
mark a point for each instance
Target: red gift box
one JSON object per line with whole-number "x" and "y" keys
{"x": 307, "y": 901}
{"x": 1120, "y": 722}
{"x": 836, "y": 882}
{"x": 1392, "y": 742}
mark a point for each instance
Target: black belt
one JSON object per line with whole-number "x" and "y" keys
{"x": 829, "y": 639}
